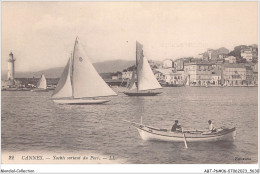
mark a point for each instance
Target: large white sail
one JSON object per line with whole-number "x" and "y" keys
{"x": 146, "y": 78}
{"x": 64, "y": 88}
{"x": 42, "y": 83}
{"x": 86, "y": 82}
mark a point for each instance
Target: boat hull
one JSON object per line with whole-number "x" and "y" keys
{"x": 39, "y": 90}
{"x": 171, "y": 85}
{"x": 80, "y": 102}
{"x": 147, "y": 133}
{"x": 142, "y": 93}
{"x": 16, "y": 89}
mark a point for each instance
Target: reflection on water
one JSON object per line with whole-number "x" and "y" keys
{"x": 32, "y": 122}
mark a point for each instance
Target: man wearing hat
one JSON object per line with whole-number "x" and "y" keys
{"x": 176, "y": 127}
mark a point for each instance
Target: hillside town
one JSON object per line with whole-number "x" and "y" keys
{"x": 218, "y": 67}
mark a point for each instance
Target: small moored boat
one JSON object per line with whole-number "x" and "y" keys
{"x": 41, "y": 85}
{"x": 157, "y": 134}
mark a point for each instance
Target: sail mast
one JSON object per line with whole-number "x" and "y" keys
{"x": 139, "y": 58}
{"x": 72, "y": 66}
{"x": 146, "y": 79}
{"x": 136, "y": 67}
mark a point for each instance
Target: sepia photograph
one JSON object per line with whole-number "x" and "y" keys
{"x": 129, "y": 83}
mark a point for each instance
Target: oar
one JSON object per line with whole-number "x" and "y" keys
{"x": 184, "y": 138}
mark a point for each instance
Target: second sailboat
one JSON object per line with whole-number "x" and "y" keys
{"x": 146, "y": 81}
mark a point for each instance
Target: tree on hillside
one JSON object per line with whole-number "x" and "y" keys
{"x": 242, "y": 60}
{"x": 237, "y": 53}
{"x": 117, "y": 73}
{"x": 131, "y": 68}
{"x": 154, "y": 67}
{"x": 255, "y": 60}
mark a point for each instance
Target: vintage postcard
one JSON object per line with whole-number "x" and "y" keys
{"x": 130, "y": 83}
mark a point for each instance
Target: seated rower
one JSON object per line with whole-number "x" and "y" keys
{"x": 176, "y": 127}
{"x": 211, "y": 127}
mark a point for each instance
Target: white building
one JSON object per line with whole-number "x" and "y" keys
{"x": 127, "y": 75}
{"x": 230, "y": 59}
{"x": 168, "y": 63}
{"x": 115, "y": 77}
{"x": 215, "y": 79}
{"x": 170, "y": 76}
{"x": 234, "y": 74}
{"x": 249, "y": 53}
{"x": 198, "y": 73}
{"x": 200, "y": 56}
{"x": 162, "y": 75}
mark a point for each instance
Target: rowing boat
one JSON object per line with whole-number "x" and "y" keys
{"x": 157, "y": 134}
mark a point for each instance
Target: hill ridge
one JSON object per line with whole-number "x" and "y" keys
{"x": 110, "y": 66}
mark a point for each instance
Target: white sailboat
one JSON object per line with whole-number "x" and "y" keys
{"x": 146, "y": 81}
{"x": 41, "y": 85}
{"x": 80, "y": 83}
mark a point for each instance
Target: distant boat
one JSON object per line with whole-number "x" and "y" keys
{"x": 80, "y": 83}
{"x": 41, "y": 85}
{"x": 146, "y": 81}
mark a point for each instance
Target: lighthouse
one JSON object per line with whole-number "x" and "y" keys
{"x": 10, "y": 73}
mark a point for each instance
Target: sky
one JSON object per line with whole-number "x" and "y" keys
{"x": 41, "y": 35}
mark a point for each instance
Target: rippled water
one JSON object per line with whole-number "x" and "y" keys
{"x": 32, "y": 122}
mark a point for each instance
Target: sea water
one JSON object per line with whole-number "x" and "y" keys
{"x": 32, "y": 122}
